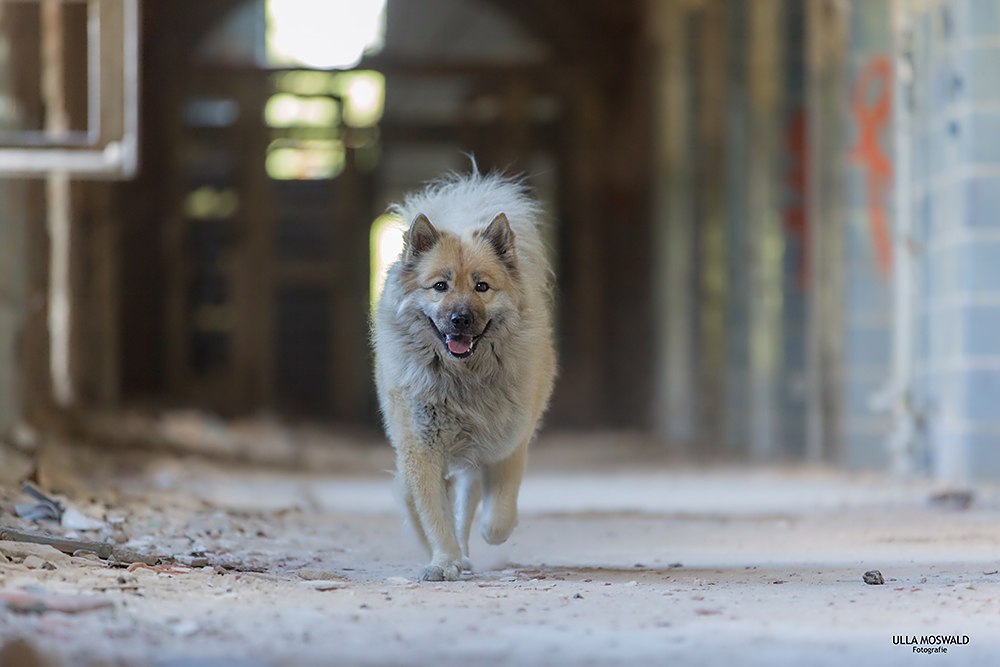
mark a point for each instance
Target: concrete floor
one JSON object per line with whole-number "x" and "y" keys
{"x": 618, "y": 560}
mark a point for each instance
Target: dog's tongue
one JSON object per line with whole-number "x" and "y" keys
{"x": 459, "y": 344}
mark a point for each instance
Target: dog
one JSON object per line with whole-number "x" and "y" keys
{"x": 464, "y": 359}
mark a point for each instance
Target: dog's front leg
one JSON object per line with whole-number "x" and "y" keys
{"x": 423, "y": 472}
{"x": 466, "y": 499}
{"x": 501, "y": 484}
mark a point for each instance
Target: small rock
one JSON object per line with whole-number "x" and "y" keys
{"x": 74, "y": 519}
{"x": 319, "y": 575}
{"x": 873, "y": 578}
{"x": 577, "y": 597}
{"x": 192, "y": 561}
{"x": 89, "y": 555}
{"x": 398, "y": 581}
{"x": 632, "y": 583}
{"x": 33, "y": 562}
{"x": 956, "y": 500}
{"x": 320, "y": 585}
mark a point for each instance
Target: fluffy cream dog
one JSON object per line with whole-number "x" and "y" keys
{"x": 464, "y": 361}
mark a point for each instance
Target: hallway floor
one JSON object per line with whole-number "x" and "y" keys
{"x": 630, "y": 561}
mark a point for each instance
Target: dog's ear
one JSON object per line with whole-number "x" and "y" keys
{"x": 499, "y": 235}
{"x": 421, "y": 237}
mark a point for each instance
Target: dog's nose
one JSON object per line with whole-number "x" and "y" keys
{"x": 461, "y": 321}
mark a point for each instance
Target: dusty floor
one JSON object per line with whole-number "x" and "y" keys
{"x": 619, "y": 559}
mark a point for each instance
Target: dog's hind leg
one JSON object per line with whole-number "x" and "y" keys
{"x": 467, "y": 492}
{"x": 424, "y": 472}
{"x": 501, "y": 483}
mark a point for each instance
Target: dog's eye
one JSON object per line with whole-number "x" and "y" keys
{"x": 481, "y": 286}
{"x": 441, "y": 286}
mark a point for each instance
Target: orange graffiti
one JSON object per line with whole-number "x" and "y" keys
{"x": 795, "y": 216}
{"x": 871, "y": 119}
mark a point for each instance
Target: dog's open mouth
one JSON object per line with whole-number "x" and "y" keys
{"x": 460, "y": 346}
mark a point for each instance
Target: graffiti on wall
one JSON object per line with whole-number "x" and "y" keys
{"x": 795, "y": 215}
{"x": 872, "y": 116}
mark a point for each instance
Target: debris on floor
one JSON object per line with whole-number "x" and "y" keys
{"x": 955, "y": 500}
{"x": 199, "y": 559}
{"x": 873, "y": 578}
{"x": 50, "y": 509}
{"x": 103, "y": 550}
{"x": 319, "y": 575}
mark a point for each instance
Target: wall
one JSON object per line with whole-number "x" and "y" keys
{"x": 956, "y": 213}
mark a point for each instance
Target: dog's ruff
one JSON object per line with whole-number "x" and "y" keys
{"x": 461, "y": 423}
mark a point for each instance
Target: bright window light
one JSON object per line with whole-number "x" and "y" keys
{"x": 363, "y": 93}
{"x": 285, "y": 110}
{"x": 304, "y": 160}
{"x": 387, "y": 236}
{"x": 323, "y": 34}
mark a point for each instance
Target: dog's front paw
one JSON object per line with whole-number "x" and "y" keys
{"x": 466, "y": 564}
{"x": 496, "y": 526}
{"x": 449, "y": 571}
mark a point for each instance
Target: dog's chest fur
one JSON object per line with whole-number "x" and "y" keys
{"x": 472, "y": 413}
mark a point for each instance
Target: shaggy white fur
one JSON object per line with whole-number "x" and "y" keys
{"x": 466, "y": 203}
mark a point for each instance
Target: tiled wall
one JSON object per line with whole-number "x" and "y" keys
{"x": 956, "y": 201}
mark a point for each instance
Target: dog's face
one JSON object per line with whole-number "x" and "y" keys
{"x": 464, "y": 288}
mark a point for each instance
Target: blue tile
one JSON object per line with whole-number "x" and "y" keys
{"x": 978, "y": 74}
{"x": 943, "y": 268}
{"x": 937, "y": 154}
{"x": 981, "y": 199}
{"x": 982, "y": 332}
{"x": 945, "y": 209}
{"x": 941, "y": 90}
{"x": 944, "y": 333}
{"x": 981, "y": 138}
{"x": 983, "y": 451}
{"x": 980, "y": 18}
{"x": 979, "y": 270}
{"x": 982, "y": 395}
